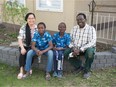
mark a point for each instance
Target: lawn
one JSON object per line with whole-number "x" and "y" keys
{"x": 99, "y": 78}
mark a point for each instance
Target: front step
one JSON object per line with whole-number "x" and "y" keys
{"x": 106, "y": 41}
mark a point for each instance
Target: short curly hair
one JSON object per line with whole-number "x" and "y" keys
{"x": 81, "y": 14}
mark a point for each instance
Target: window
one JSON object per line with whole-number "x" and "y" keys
{"x": 9, "y": 0}
{"x": 20, "y": 1}
{"x": 49, "y": 5}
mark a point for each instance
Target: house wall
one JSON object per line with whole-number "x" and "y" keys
{"x": 82, "y": 6}
{"x": 31, "y": 4}
{"x": 70, "y": 10}
{"x": 104, "y": 7}
{"x": 52, "y": 19}
{"x": 1, "y": 1}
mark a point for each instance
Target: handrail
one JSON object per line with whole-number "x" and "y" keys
{"x": 113, "y": 6}
{"x": 104, "y": 12}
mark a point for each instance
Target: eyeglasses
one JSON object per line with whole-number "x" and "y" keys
{"x": 31, "y": 18}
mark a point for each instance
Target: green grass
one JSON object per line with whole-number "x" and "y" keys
{"x": 99, "y": 78}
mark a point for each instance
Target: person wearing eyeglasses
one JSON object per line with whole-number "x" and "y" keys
{"x": 26, "y": 33}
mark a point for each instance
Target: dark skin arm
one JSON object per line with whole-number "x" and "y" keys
{"x": 76, "y": 52}
{"x": 38, "y": 52}
{"x": 58, "y": 48}
{"x": 55, "y": 48}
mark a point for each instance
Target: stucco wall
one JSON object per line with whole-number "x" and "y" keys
{"x": 1, "y": 1}
{"x": 52, "y": 19}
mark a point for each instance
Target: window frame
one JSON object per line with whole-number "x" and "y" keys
{"x": 49, "y": 9}
{"x": 24, "y": 2}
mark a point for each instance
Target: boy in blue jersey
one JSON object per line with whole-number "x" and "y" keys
{"x": 41, "y": 45}
{"x": 61, "y": 41}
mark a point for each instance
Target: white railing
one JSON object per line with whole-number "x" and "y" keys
{"x": 105, "y": 25}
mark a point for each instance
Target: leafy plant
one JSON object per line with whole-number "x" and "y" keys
{"x": 14, "y": 12}
{"x": 12, "y": 35}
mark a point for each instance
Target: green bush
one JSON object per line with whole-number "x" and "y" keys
{"x": 14, "y": 12}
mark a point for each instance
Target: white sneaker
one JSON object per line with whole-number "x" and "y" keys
{"x": 86, "y": 75}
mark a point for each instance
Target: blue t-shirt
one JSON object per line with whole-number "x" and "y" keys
{"x": 42, "y": 42}
{"x": 61, "y": 41}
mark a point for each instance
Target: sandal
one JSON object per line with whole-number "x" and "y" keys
{"x": 20, "y": 76}
{"x": 26, "y": 75}
{"x": 48, "y": 76}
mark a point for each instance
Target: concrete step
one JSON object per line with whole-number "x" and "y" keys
{"x": 113, "y": 49}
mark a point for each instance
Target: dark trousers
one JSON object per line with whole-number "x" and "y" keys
{"x": 22, "y": 58}
{"x": 77, "y": 62}
{"x": 58, "y": 56}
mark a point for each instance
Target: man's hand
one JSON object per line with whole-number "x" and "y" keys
{"x": 57, "y": 48}
{"x": 39, "y": 53}
{"x": 76, "y": 52}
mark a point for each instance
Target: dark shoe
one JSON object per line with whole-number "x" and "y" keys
{"x": 55, "y": 74}
{"x": 86, "y": 75}
{"x": 77, "y": 70}
{"x": 59, "y": 74}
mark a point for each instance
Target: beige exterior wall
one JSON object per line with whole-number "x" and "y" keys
{"x": 106, "y": 2}
{"x": 1, "y": 1}
{"x": 30, "y": 4}
{"x": 70, "y": 9}
{"x": 82, "y": 6}
{"x": 52, "y": 19}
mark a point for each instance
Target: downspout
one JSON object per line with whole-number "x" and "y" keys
{"x": 91, "y": 9}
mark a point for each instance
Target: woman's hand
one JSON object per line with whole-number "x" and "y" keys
{"x": 23, "y": 51}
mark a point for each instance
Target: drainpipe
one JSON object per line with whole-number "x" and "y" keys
{"x": 91, "y": 9}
